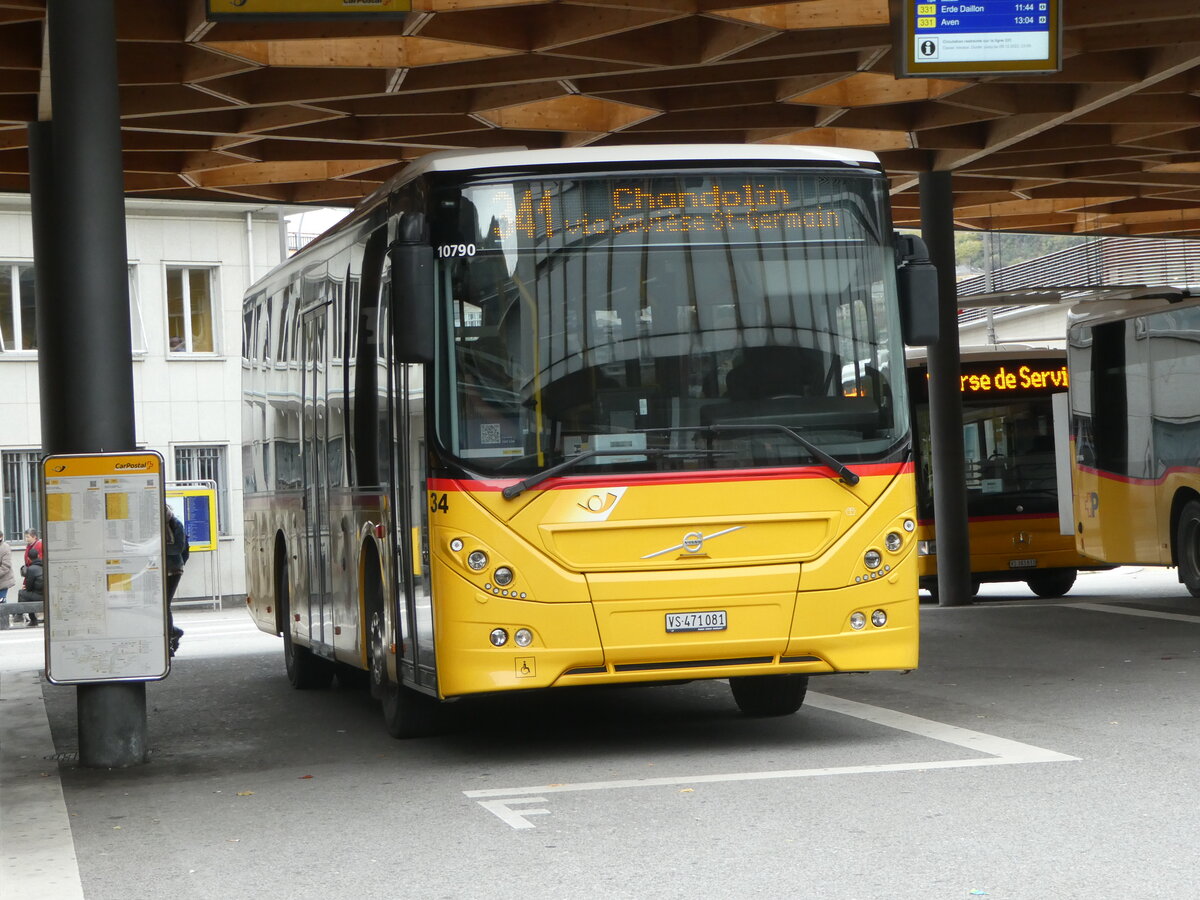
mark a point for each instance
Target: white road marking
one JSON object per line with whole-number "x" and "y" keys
{"x": 1001, "y": 752}
{"x": 1134, "y": 611}
{"x": 515, "y": 817}
{"x": 35, "y": 830}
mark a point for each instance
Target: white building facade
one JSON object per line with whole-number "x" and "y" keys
{"x": 189, "y": 266}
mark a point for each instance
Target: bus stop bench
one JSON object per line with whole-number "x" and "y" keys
{"x": 19, "y": 609}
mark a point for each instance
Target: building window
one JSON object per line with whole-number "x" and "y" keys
{"x": 18, "y": 321}
{"x": 22, "y": 470}
{"x": 206, "y": 464}
{"x": 18, "y": 309}
{"x": 190, "y": 319}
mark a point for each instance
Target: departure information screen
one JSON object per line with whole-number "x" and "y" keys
{"x": 985, "y": 37}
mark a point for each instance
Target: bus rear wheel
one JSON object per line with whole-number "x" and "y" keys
{"x": 769, "y": 695}
{"x": 305, "y": 670}
{"x": 1187, "y": 546}
{"x": 1054, "y": 583}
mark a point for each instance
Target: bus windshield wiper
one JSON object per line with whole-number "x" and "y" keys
{"x": 515, "y": 490}
{"x": 844, "y": 472}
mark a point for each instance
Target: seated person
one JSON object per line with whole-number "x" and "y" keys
{"x": 34, "y": 574}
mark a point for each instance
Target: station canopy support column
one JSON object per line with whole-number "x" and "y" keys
{"x": 83, "y": 323}
{"x": 945, "y": 399}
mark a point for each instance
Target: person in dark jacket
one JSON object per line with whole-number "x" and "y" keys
{"x": 35, "y": 580}
{"x": 177, "y": 556}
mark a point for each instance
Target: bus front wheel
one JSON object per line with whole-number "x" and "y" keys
{"x": 1054, "y": 583}
{"x": 406, "y": 713}
{"x": 1187, "y": 546}
{"x": 769, "y": 695}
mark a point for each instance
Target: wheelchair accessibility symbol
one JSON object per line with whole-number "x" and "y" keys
{"x": 524, "y": 667}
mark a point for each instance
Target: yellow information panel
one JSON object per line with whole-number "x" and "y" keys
{"x": 307, "y": 9}
{"x": 196, "y": 508}
{"x": 105, "y": 585}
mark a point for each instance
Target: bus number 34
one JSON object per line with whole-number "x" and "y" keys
{"x": 439, "y": 502}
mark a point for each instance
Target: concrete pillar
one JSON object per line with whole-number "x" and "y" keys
{"x": 84, "y": 349}
{"x": 945, "y": 399}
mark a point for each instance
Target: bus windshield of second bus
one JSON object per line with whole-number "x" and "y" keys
{"x": 1011, "y": 467}
{"x": 588, "y": 325}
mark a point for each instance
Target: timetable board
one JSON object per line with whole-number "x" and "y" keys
{"x": 986, "y": 37}
{"x": 105, "y": 584}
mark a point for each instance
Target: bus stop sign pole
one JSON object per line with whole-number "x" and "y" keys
{"x": 83, "y": 324}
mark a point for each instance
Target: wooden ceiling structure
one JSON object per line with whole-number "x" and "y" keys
{"x": 321, "y": 113}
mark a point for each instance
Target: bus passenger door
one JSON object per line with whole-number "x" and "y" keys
{"x": 413, "y": 503}
{"x": 318, "y": 615}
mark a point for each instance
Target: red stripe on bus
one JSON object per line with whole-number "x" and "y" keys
{"x": 570, "y": 482}
{"x": 1005, "y": 518}
{"x": 1130, "y": 479}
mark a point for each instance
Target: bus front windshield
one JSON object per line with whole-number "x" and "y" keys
{"x": 654, "y": 323}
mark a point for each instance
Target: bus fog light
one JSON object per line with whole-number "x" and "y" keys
{"x": 927, "y": 548}
{"x": 498, "y": 637}
{"x": 456, "y": 545}
{"x": 878, "y": 618}
{"x": 910, "y": 526}
{"x": 893, "y": 541}
{"x": 504, "y": 576}
{"x": 858, "y": 621}
{"x": 478, "y": 560}
{"x": 872, "y": 559}
{"x": 523, "y": 637}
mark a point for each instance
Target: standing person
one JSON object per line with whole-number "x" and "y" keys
{"x": 35, "y": 580}
{"x": 7, "y": 577}
{"x": 177, "y": 556}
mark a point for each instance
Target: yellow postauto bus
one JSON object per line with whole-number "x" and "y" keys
{"x": 1135, "y": 429}
{"x": 529, "y": 419}
{"x": 1013, "y": 509}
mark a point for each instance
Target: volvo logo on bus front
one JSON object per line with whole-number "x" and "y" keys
{"x": 693, "y": 542}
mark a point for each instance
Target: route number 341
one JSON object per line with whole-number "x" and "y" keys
{"x": 439, "y": 502}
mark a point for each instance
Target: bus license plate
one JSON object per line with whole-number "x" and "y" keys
{"x": 1022, "y": 563}
{"x": 714, "y": 620}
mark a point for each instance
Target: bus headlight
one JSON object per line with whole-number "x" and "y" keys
{"x": 893, "y": 541}
{"x": 456, "y": 545}
{"x": 927, "y": 548}
{"x": 498, "y": 637}
{"x": 857, "y": 621}
{"x": 477, "y": 560}
{"x": 910, "y": 526}
{"x": 523, "y": 637}
{"x": 503, "y": 576}
{"x": 879, "y": 618}
{"x": 872, "y": 559}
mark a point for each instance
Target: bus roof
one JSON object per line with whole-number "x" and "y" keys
{"x": 1134, "y": 303}
{"x": 518, "y": 157}
{"x": 918, "y": 356}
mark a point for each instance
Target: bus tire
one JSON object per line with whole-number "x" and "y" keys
{"x": 1054, "y": 583}
{"x": 769, "y": 695}
{"x": 406, "y": 713}
{"x": 1187, "y": 546}
{"x": 305, "y": 670}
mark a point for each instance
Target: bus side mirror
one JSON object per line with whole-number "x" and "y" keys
{"x": 412, "y": 302}
{"x": 917, "y": 287}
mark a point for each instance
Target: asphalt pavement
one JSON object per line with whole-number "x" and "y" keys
{"x": 1042, "y": 750}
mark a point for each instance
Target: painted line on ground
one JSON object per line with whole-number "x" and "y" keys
{"x": 1000, "y": 752}
{"x": 1134, "y": 611}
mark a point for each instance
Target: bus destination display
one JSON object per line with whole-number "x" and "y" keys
{"x": 984, "y": 37}
{"x": 717, "y": 209}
